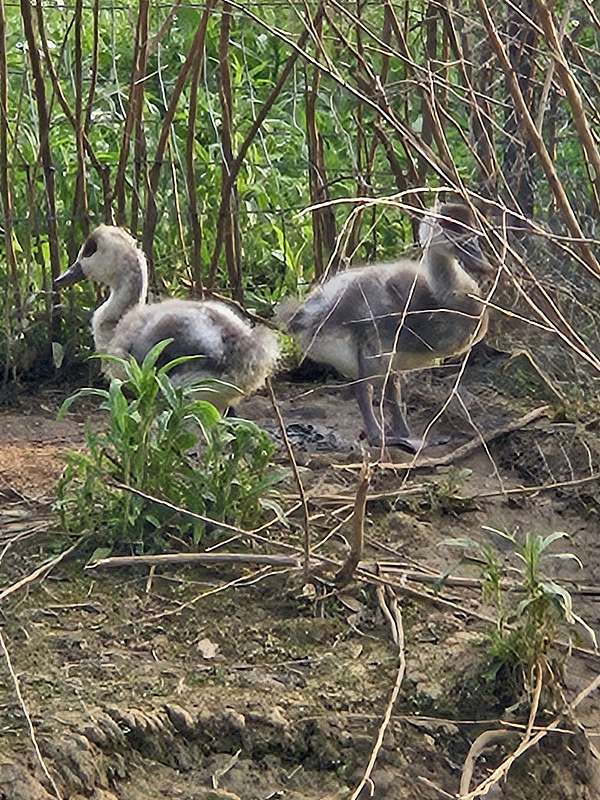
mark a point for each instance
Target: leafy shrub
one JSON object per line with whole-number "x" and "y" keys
{"x": 153, "y": 430}
{"x": 533, "y": 612}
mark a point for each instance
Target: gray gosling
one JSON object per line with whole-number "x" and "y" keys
{"x": 374, "y": 322}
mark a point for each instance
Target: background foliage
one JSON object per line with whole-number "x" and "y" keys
{"x": 137, "y": 114}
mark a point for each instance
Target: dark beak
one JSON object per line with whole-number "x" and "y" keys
{"x": 470, "y": 255}
{"x": 73, "y": 275}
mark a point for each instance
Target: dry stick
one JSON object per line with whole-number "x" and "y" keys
{"x": 480, "y": 103}
{"x": 593, "y": 15}
{"x": 365, "y": 152}
{"x": 537, "y": 693}
{"x": 358, "y": 528}
{"x": 61, "y": 52}
{"x": 195, "y": 558}
{"x": 44, "y": 132}
{"x": 139, "y": 143}
{"x": 94, "y": 68}
{"x": 268, "y": 323}
{"x": 385, "y": 567}
{"x": 398, "y": 636}
{"x": 442, "y": 579}
{"x": 103, "y": 171}
{"x": 231, "y": 224}
{"x": 80, "y": 211}
{"x": 439, "y": 790}
{"x": 297, "y": 479}
{"x": 236, "y": 164}
{"x": 190, "y": 181}
{"x": 260, "y": 574}
{"x": 430, "y": 23}
{"x": 5, "y": 190}
{"x": 537, "y": 142}
{"x": 485, "y": 739}
{"x": 543, "y": 101}
{"x": 135, "y": 89}
{"x": 528, "y": 740}
{"x": 312, "y": 135}
{"x": 27, "y": 716}
{"x": 150, "y": 578}
{"x": 483, "y": 742}
{"x": 465, "y": 449}
{"x": 323, "y": 219}
{"x": 546, "y": 487}
{"x": 154, "y": 42}
{"x": 151, "y": 213}
{"x": 372, "y": 497}
{"x": 40, "y": 572}
{"x": 559, "y": 326}
{"x": 173, "y": 154}
{"x": 586, "y": 136}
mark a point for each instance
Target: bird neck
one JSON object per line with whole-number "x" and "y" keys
{"x": 130, "y": 290}
{"x": 446, "y": 276}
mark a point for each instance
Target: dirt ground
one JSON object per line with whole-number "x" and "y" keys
{"x": 259, "y": 689}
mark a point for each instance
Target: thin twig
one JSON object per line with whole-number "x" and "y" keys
{"x": 500, "y": 771}
{"x": 27, "y": 716}
{"x": 398, "y": 636}
{"x": 297, "y": 478}
{"x": 260, "y": 574}
{"x": 178, "y": 559}
{"x": 40, "y": 572}
{"x": 344, "y": 576}
{"x": 483, "y": 742}
{"x": 44, "y": 141}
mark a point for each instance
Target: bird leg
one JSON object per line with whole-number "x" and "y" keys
{"x": 363, "y": 391}
{"x": 400, "y": 434}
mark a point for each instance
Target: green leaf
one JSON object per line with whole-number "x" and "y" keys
{"x": 88, "y": 392}
{"x": 546, "y": 541}
{"x": 58, "y": 354}
{"x": 567, "y": 556}
{"x": 503, "y": 534}
{"x": 166, "y": 368}
{"x": 99, "y": 554}
{"x": 463, "y": 542}
{"x": 154, "y": 354}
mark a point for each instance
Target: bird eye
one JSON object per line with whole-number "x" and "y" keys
{"x": 89, "y": 248}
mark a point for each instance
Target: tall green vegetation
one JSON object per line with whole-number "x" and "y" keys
{"x": 410, "y": 95}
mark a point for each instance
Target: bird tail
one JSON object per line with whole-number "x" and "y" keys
{"x": 254, "y": 359}
{"x": 267, "y": 346}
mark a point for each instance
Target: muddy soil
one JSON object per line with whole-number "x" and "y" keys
{"x": 237, "y": 682}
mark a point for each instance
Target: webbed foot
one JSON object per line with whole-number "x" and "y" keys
{"x": 411, "y": 444}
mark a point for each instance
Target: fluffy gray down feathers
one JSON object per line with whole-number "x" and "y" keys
{"x": 231, "y": 350}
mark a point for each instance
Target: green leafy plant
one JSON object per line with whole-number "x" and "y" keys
{"x": 533, "y": 612}
{"x": 153, "y": 433}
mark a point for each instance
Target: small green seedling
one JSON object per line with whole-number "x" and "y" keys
{"x": 533, "y": 612}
